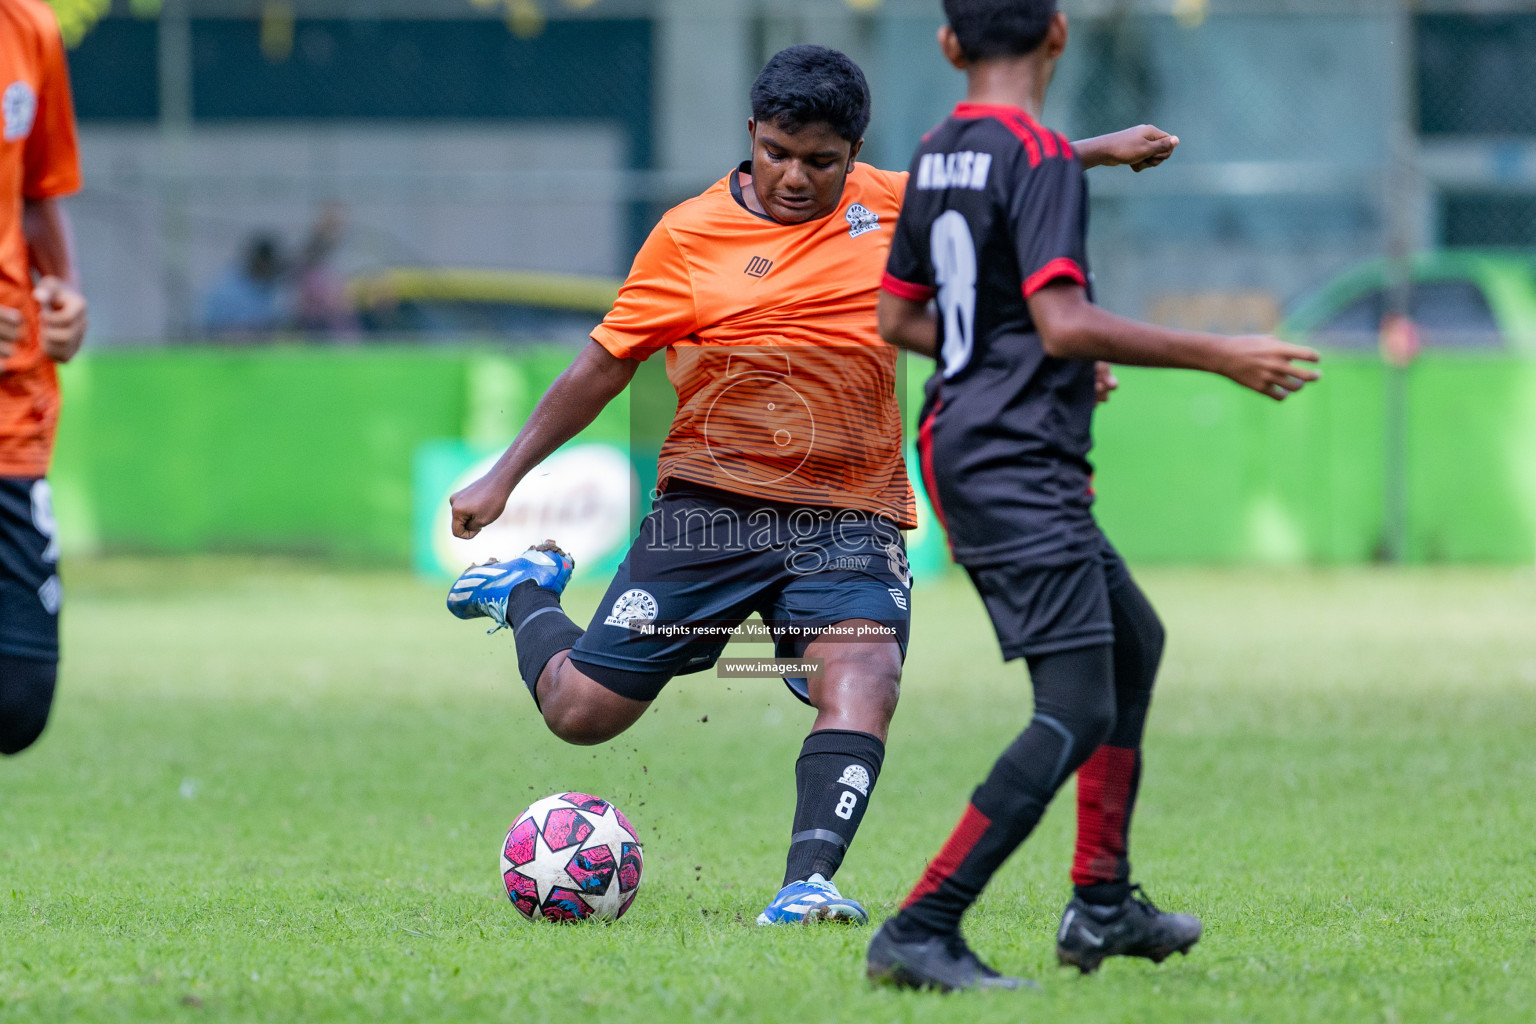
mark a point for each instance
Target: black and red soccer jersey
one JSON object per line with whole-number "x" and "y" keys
{"x": 996, "y": 208}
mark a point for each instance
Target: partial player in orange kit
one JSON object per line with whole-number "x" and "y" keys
{"x": 42, "y": 323}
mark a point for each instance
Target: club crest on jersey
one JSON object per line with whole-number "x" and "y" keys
{"x": 855, "y": 777}
{"x": 19, "y": 104}
{"x": 860, "y": 219}
{"x": 633, "y": 609}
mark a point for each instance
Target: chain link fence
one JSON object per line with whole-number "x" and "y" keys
{"x": 328, "y": 142}
{"x": 1477, "y": 81}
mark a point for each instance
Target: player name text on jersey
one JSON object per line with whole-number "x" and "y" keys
{"x": 953, "y": 170}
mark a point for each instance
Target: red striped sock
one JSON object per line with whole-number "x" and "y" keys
{"x": 973, "y": 825}
{"x": 1106, "y": 794}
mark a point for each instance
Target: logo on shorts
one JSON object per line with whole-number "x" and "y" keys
{"x": 633, "y": 608}
{"x": 860, "y": 219}
{"x": 898, "y": 597}
{"x": 896, "y": 561}
{"x": 759, "y": 267}
{"x": 19, "y": 104}
{"x": 51, "y": 593}
{"x": 855, "y": 777}
{"x": 43, "y": 520}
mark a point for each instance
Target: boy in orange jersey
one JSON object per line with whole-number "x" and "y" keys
{"x": 42, "y": 322}
{"x": 783, "y": 489}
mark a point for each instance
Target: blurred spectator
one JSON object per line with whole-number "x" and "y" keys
{"x": 323, "y": 306}
{"x": 247, "y": 302}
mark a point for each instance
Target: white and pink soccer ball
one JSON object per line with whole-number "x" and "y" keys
{"x": 571, "y": 857}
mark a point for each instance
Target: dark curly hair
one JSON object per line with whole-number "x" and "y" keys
{"x": 807, "y": 84}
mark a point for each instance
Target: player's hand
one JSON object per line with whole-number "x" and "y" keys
{"x": 1268, "y": 365}
{"x": 478, "y": 506}
{"x": 12, "y": 323}
{"x": 1104, "y": 381}
{"x": 1138, "y": 148}
{"x": 63, "y": 318}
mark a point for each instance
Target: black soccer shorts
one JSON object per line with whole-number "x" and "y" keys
{"x": 707, "y": 559}
{"x": 1044, "y": 610}
{"x": 30, "y": 592}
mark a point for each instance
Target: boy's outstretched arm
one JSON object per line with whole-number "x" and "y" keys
{"x": 1140, "y": 147}
{"x": 594, "y": 379}
{"x": 1071, "y": 327}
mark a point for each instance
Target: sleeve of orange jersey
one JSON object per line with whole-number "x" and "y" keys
{"x": 655, "y": 307}
{"x": 51, "y": 162}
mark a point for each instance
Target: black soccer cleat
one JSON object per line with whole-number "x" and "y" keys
{"x": 1090, "y": 932}
{"x": 943, "y": 963}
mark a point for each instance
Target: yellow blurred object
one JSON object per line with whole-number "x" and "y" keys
{"x": 1191, "y": 13}
{"x": 451, "y": 304}
{"x": 511, "y": 287}
{"x": 77, "y": 16}
{"x": 525, "y": 18}
{"x": 864, "y": 5}
{"x": 277, "y": 30}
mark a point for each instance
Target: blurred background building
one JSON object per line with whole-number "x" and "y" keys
{"x": 477, "y": 174}
{"x": 547, "y": 135}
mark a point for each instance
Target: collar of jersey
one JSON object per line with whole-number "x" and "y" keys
{"x": 971, "y": 111}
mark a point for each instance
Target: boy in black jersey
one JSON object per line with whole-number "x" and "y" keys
{"x": 992, "y": 232}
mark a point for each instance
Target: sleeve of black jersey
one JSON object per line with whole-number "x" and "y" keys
{"x": 908, "y": 271}
{"x": 1048, "y": 218}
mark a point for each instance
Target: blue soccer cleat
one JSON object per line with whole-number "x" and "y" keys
{"x": 814, "y": 899}
{"x": 481, "y": 592}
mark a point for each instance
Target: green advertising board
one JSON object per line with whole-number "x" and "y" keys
{"x": 343, "y": 452}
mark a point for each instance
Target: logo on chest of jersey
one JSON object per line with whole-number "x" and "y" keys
{"x": 860, "y": 219}
{"x": 759, "y": 267}
{"x": 953, "y": 170}
{"x": 19, "y": 104}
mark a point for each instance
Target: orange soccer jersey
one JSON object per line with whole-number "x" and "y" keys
{"x": 38, "y": 160}
{"x": 784, "y": 389}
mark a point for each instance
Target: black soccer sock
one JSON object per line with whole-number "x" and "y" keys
{"x": 834, "y": 777}
{"x": 1074, "y": 710}
{"x": 26, "y": 695}
{"x": 541, "y": 629}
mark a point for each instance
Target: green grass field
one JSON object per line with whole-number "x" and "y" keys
{"x": 276, "y": 792}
